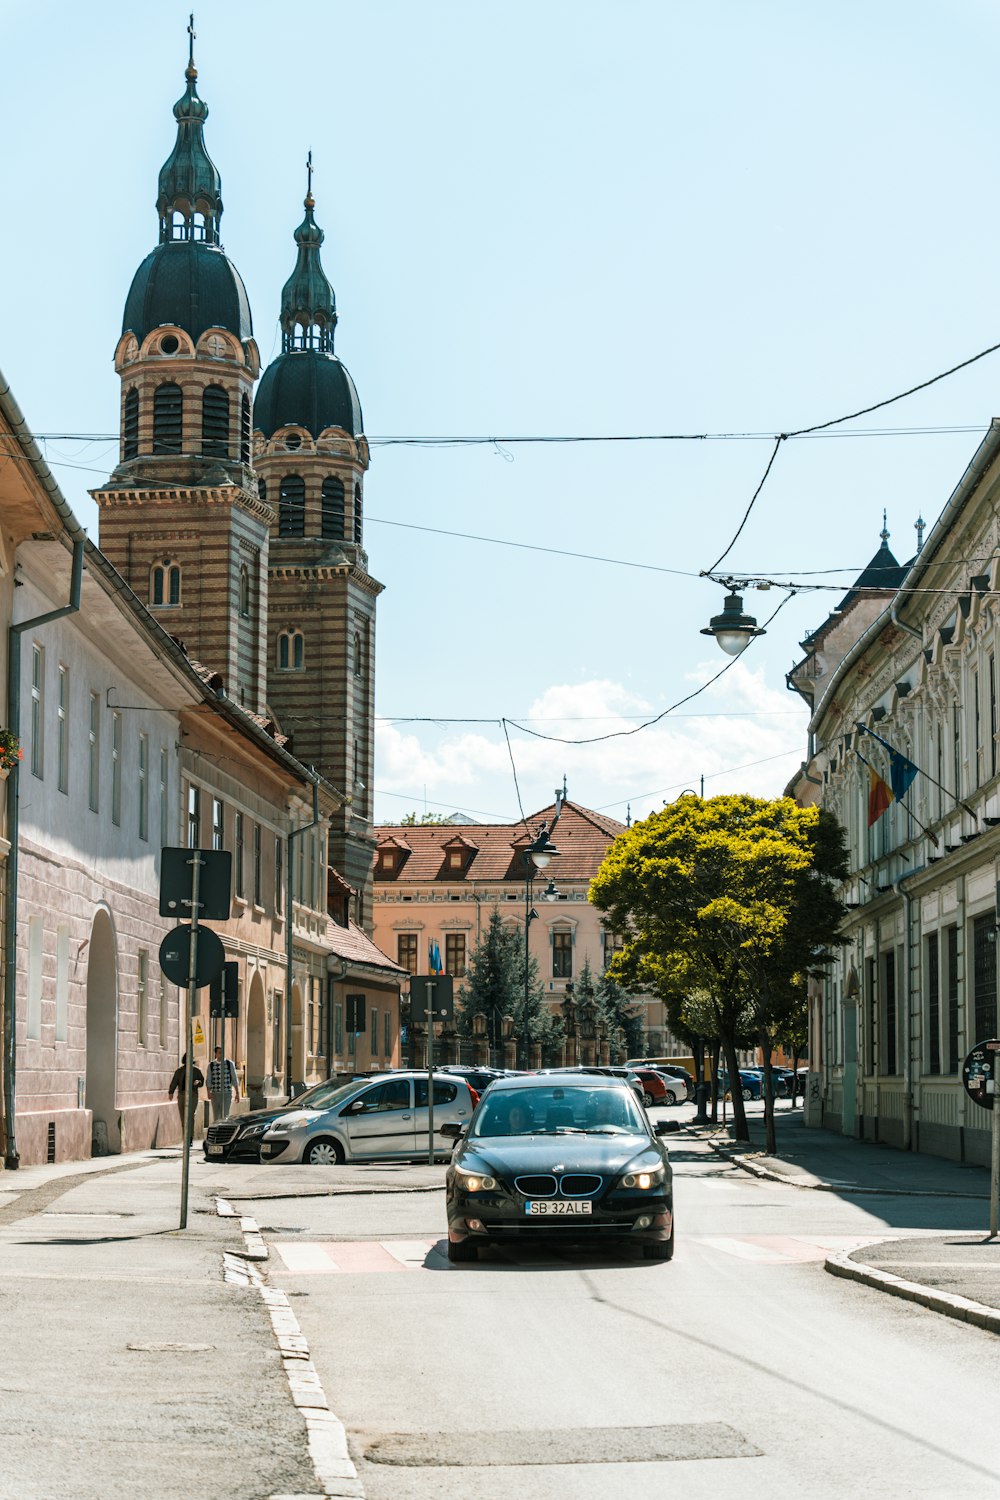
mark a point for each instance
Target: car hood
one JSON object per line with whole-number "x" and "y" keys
{"x": 511, "y": 1156}
{"x": 262, "y": 1116}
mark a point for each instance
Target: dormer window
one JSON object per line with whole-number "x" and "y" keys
{"x": 388, "y": 859}
{"x": 456, "y": 859}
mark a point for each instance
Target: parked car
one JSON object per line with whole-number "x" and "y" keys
{"x": 479, "y": 1078}
{"x": 660, "y": 1088}
{"x": 368, "y": 1120}
{"x": 238, "y": 1138}
{"x": 569, "y": 1158}
{"x": 751, "y": 1083}
{"x": 626, "y": 1074}
{"x": 679, "y": 1075}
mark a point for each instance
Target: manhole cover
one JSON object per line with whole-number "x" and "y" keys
{"x": 577, "y": 1445}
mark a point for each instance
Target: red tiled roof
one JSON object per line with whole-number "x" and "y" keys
{"x": 581, "y": 836}
{"x": 351, "y": 943}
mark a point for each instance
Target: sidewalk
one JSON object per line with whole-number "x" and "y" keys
{"x": 952, "y": 1272}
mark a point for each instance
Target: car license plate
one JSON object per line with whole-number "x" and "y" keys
{"x": 557, "y": 1207}
{"x": 214, "y": 1150}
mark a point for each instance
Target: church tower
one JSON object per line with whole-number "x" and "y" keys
{"x": 310, "y": 454}
{"x": 181, "y": 516}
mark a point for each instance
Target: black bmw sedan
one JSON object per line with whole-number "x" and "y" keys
{"x": 561, "y": 1158}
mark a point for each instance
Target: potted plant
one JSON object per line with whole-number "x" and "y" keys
{"x": 10, "y": 751}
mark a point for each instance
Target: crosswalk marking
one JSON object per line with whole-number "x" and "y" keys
{"x": 381, "y": 1257}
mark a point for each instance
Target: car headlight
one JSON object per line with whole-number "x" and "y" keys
{"x": 475, "y": 1182}
{"x": 287, "y": 1123}
{"x": 644, "y": 1180}
{"x": 252, "y": 1130}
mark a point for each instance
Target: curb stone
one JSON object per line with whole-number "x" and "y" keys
{"x": 326, "y": 1438}
{"x": 947, "y": 1303}
{"x": 755, "y": 1169}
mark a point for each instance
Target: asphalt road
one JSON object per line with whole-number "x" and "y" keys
{"x": 741, "y": 1367}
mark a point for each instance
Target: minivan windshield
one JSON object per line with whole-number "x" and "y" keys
{"x": 558, "y": 1111}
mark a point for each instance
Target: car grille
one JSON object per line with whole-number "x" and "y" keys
{"x": 222, "y": 1134}
{"x": 542, "y": 1186}
{"x": 580, "y": 1185}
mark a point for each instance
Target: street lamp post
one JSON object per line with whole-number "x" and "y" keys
{"x": 536, "y": 856}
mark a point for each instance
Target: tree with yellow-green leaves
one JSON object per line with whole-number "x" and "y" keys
{"x": 735, "y": 897}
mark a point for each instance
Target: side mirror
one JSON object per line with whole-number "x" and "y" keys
{"x": 451, "y": 1131}
{"x": 666, "y": 1127}
{"x": 355, "y": 1107}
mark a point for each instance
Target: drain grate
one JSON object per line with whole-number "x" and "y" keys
{"x": 561, "y": 1445}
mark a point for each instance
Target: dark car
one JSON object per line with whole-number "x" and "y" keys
{"x": 477, "y": 1078}
{"x": 567, "y": 1158}
{"x": 751, "y": 1083}
{"x": 238, "y": 1138}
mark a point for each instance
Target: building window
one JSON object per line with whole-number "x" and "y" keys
{"x": 130, "y": 425}
{"x": 279, "y": 874}
{"x": 214, "y": 422}
{"x": 62, "y": 722}
{"x": 218, "y": 823}
{"x": 62, "y": 984}
{"x": 142, "y": 988}
{"x": 406, "y": 951}
{"x": 977, "y": 728}
{"x": 291, "y": 651}
{"x": 258, "y": 883}
{"x": 871, "y": 1013}
{"x": 245, "y": 427}
{"x": 454, "y": 954}
{"x": 37, "y": 711}
{"x": 951, "y": 934}
{"x": 164, "y": 802}
{"x": 239, "y": 856}
{"x": 313, "y": 1017}
{"x": 168, "y": 411}
{"x": 116, "y": 768}
{"x": 387, "y": 858}
{"x": 338, "y": 1030}
{"x": 889, "y": 978}
{"x": 279, "y": 1014}
{"x": 34, "y": 1015}
{"x": 244, "y": 592}
{"x": 359, "y": 665}
{"x": 956, "y": 749}
{"x": 165, "y": 585}
{"x": 357, "y": 515}
{"x": 194, "y": 817}
{"x": 374, "y": 1031}
{"x": 332, "y": 509}
{"x": 562, "y": 955}
{"x": 144, "y": 787}
{"x": 387, "y": 1036}
{"x": 993, "y": 716}
{"x": 933, "y": 1005}
{"x": 94, "y": 754}
{"x": 984, "y": 976}
{"x": 292, "y": 506}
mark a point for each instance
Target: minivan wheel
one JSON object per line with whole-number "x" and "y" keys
{"x": 324, "y": 1154}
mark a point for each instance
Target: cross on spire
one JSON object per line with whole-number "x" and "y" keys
{"x": 884, "y": 533}
{"x": 309, "y": 179}
{"x": 191, "y": 34}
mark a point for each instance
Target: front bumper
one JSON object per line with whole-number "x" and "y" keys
{"x": 638, "y": 1217}
{"x": 224, "y": 1143}
{"x": 271, "y": 1150}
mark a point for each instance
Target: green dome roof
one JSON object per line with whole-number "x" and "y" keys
{"x": 190, "y": 284}
{"x": 304, "y": 388}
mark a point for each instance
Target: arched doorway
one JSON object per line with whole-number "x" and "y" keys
{"x": 256, "y": 1042}
{"x": 102, "y": 1034}
{"x": 298, "y": 1039}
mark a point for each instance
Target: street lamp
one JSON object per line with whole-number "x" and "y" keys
{"x": 536, "y": 857}
{"x": 733, "y": 629}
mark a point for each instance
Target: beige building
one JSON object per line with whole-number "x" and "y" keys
{"x": 440, "y": 883}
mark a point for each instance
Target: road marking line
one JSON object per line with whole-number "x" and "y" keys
{"x": 411, "y": 1254}
{"x": 306, "y": 1260}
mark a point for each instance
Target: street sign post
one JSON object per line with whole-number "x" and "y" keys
{"x": 213, "y": 892}
{"x": 980, "y": 1073}
{"x": 223, "y": 994}
{"x": 187, "y": 945}
{"x": 432, "y": 996}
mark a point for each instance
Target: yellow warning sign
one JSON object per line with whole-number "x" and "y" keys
{"x": 197, "y": 1034}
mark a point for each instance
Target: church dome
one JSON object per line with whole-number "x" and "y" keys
{"x": 190, "y": 284}
{"x": 303, "y": 388}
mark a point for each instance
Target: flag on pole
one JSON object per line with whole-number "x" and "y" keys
{"x": 434, "y": 955}
{"x": 880, "y": 795}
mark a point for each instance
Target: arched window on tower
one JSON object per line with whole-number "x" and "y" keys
{"x": 357, "y": 515}
{"x": 168, "y": 413}
{"x": 130, "y": 425}
{"x": 292, "y": 506}
{"x": 332, "y": 509}
{"x": 359, "y": 665}
{"x": 291, "y": 651}
{"x": 245, "y": 430}
{"x": 244, "y": 592}
{"x": 178, "y": 225}
{"x": 198, "y": 231}
{"x": 165, "y": 584}
{"x": 215, "y": 422}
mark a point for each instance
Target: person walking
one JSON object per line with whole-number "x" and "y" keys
{"x": 223, "y": 1084}
{"x": 177, "y": 1087}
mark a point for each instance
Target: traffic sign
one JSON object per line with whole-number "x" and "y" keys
{"x": 981, "y": 1070}
{"x": 197, "y": 1033}
{"x": 224, "y": 994}
{"x": 175, "y": 956}
{"x": 355, "y": 1013}
{"x": 434, "y": 993}
{"x": 215, "y": 879}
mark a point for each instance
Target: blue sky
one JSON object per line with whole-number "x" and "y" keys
{"x": 553, "y": 219}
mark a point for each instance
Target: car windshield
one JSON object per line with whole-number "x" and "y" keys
{"x": 323, "y": 1095}
{"x": 558, "y": 1111}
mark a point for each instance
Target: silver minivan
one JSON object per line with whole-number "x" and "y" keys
{"x": 369, "y": 1119}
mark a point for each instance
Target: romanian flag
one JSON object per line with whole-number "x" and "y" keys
{"x": 880, "y": 795}
{"x": 434, "y": 956}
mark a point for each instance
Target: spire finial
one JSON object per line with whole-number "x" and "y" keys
{"x": 310, "y": 200}
{"x": 884, "y": 533}
{"x": 192, "y": 71}
{"x": 918, "y": 527}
